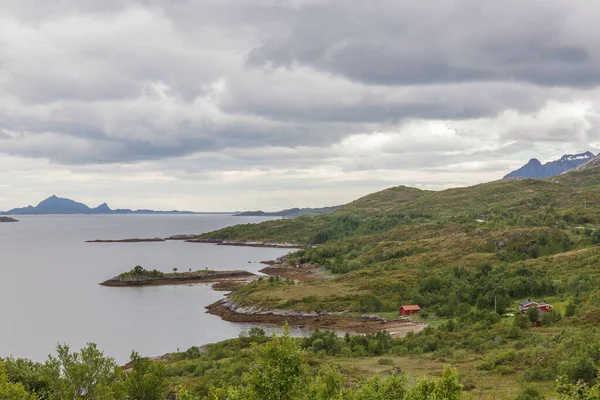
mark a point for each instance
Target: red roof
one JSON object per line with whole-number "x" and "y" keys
{"x": 411, "y": 308}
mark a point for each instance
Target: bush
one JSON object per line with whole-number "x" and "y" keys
{"x": 521, "y": 321}
{"x": 370, "y": 303}
{"x": 579, "y": 368}
{"x": 346, "y": 352}
{"x": 537, "y": 373}
{"x": 570, "y": 309}
{"x": 529, "y": 394}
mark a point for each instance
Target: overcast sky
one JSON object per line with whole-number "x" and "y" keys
{"x": 220, "y": 105}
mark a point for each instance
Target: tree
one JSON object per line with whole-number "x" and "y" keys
{"x": 175, "y": 270}
{"x": 278, "y": 372}
{"x": 147, "y": 380}
{"x": 533, "y": 315}
{"x": 86, "y": 375}
{"x": 12, "y": 391}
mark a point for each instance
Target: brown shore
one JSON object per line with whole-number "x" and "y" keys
{"x": 360, "y": 325}
{"x": 229, "y": 311}
{"x": 181, "y": 279}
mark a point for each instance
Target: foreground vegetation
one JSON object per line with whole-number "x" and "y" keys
{"x": 462, "y": 359}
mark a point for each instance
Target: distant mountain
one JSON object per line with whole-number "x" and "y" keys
{"x": 291, "y": 212}
{"x": 593, "y": 163}
{"x": 59, "y": 205}
{"x": 536, "y": 170}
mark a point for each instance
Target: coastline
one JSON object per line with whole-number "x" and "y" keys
{"x": 195, "y": 239}
{"x": 227, "y": 310}
{"x": 219, "y": 242}
{"x": 366, "y": 324}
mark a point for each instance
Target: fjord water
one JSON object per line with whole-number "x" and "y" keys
{"x": 49, "y": 290}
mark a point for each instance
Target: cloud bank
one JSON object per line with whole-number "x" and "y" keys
{"x": 224, "y": 105}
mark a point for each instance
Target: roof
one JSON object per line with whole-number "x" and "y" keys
{"x": 526, "y": 302}
{"x": 411, "y": 308}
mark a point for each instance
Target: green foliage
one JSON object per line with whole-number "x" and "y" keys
{"x": 570, "y": 309}
{"x": 28, "y": 373}
{"x": 452, "y": 290}
{"x": 533, "y": 314}
{"x": 568, "y": 390}
{"x": 147, "y": 380}
{"x": 87, "y": 374}
{"x": 138, "y": 272}
{"x": 579, "y": 368}
{"x": 447, "y": 388}
{"x": 13, "y": 391}
{"x": 529, "y": 394}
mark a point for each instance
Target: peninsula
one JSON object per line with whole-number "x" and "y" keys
{"x": 8, "y": 219}
{"x": 139, "y": 276}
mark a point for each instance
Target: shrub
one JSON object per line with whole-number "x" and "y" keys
{"x": 529, "y": 394}
{"x": 346, "y": 352}
{"x": 570, "y": 309}
{"x": 537, "y": 373}
{"x": 579, "y": 368}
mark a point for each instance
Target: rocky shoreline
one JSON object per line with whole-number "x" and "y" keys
{"x": 126, "y": 240}
{"x": 247, "y": 244}
{"x": 180, "y": 279}
{"x": 229, "y": 311}
{"x": 8, "y": 219}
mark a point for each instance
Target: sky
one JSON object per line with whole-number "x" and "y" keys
{"x": 223, "y": 105}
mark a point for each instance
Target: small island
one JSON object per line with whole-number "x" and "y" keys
{"x": 8, "y": 219}
{"x": 139, "y": 276}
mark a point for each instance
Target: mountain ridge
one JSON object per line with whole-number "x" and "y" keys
{"x": 534, "y": 169}
{"x": 592, "y": 163}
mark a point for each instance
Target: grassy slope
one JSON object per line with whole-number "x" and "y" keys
{"x": 449, "y": 236}
{"x": 574, "y": 196}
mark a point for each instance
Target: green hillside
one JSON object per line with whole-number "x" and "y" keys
{"x": 466, "y": 256}
{"x": 570, "y": 199}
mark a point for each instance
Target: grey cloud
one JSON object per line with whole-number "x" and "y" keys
{"x": 88, "y": 82}
{"x": 395, "y": 43}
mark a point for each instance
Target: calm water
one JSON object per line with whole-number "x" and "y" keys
{"x": 49, "y": 290}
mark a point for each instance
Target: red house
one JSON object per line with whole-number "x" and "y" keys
{"x": 409, "y": 310}
{"x": 545, "y": 307}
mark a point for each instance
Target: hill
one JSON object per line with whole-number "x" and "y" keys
{"x": 290, "y": 213}
{"x": 535, "y": 170}
{"x": 59, "y": 205}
